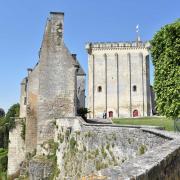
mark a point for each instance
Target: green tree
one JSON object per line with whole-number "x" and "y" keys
{"x": 165, "y": 50}
{"x": 11, "y": 114}
{"x": 6, "y": 123}
{"x": 83, "y": 112}
{"x": 2, "y": 112}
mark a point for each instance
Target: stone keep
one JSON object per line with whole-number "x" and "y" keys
{"x": 54, "y": 88}
{"x": 118, "y": 79}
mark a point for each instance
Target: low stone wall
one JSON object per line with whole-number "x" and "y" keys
{"x": 87, "y": 150}
{"x": 161, "y": 162}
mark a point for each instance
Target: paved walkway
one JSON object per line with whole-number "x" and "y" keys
{"x": 99, "y": 121}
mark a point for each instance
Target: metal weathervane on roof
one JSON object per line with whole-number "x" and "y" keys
{"x": 138, "y": 39}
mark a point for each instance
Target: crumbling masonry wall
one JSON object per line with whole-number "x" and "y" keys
{"x": 113, "y": 152}
{"x": 84, "y": 150}
{"x": 16, "y": 148}
{"x": 31, "y": 109}
{"x": 57, "y": 94}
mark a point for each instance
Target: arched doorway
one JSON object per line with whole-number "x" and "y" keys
{"x": 110, "y": 114}
{"x": 135, "y": 113}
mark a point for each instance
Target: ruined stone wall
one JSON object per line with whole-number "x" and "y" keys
{"x": 57, "y": 94}
{"x": 99, "y": 151}
{"x": 84, "y": 150}
{"x": 162, "y": 162}
{"x": 16, "y": 148}
{"x": 31, "y": 118}
{"x": 80, "y": 91}
{"x": 117, "y": 68}
{"x": 23, "y": 98}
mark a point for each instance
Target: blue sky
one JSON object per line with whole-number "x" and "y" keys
{"x": 22, "y": 26}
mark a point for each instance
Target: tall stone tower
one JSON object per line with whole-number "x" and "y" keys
{"x": 118, "y": 81}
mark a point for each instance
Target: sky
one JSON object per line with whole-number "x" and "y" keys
{"x": 22, "y": 25}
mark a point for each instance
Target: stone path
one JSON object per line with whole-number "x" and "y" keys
{"x": 99, "y": 121}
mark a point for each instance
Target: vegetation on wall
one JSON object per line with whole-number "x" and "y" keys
{"x": 6, "y": 123}
{"x": 11, "y": 114}
{"x": 23, "y": 131}
{"x": 165, "y": 52}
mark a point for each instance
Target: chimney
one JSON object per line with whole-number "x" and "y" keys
{"x": 57, "y": 22}
{"x": 29, "y": 70}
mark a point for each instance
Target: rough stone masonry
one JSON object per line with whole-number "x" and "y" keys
{"x": 54, "y": 88}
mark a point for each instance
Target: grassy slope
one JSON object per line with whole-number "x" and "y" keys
{"x": 168, "y": 124}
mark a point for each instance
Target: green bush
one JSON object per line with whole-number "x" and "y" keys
{"x": 3, "y": 160}
{"x": 166, "y": 60}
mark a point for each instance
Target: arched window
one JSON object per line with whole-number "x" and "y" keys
{"x": 134, "y": 88}
{"x": 135, "y": 113}
{"x": 99, "y": 89}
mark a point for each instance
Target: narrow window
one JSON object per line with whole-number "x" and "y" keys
{"x": 99, "y": 89}
{"x": 134, "y": 88}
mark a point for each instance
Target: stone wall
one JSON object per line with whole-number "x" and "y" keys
{"x": 105, "y": 151}
{"x": 85, "y": 149}
{"x": 23, "y": 98}
{"x": 31, "y": 109}
{"x": 161, "y": 162}
{"x": 80, "y": 91}
{"x": 57, "y": 93}
{"x": 16, "y": 148}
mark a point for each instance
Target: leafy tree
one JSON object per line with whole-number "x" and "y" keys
{"x": 83, "y": 112}
{"x": 6, "y": 123}
{"x": 11, "y": 114}
{"x": 165, "y": 52}
{"x": 2, "y": 112}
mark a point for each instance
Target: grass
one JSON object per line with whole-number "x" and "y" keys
{"x": 168, "y": 124}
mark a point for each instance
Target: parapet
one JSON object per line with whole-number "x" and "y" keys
{"x": 117, "y": 45}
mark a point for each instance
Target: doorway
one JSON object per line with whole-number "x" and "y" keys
{"x": 110, "y": 114}
{"x": 135, "y": 113}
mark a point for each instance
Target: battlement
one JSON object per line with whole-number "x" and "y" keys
{"x": 117, "y": 45}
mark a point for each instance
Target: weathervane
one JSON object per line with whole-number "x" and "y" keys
{"x": 138, "y": 35}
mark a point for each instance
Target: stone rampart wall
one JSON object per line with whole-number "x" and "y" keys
{"x": 105, "y": 151}
{"x": 85, "y": 149}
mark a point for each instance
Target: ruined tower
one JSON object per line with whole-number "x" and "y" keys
{"x": 54, "y": 88}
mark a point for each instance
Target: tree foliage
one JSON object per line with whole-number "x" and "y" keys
{"x": 11, "y": 114}
{"x": 165, "y": 50}
{"x": 83, "y": 112}
{"x": 6, "y": 123}
{"x": 2, "y": 112}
